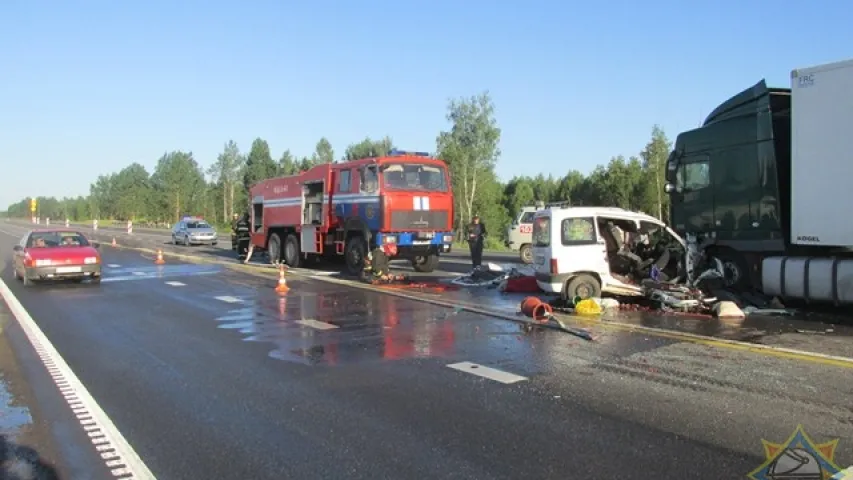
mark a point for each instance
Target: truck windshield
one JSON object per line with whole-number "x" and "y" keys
{"x": 410, "y": 176}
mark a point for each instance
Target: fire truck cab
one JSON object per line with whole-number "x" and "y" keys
{"x": 342, "y": 210}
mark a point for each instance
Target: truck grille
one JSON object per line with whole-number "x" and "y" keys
{"x": 419, "y": 220}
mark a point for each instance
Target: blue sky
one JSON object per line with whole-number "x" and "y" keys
{"x": 87, "y": 87}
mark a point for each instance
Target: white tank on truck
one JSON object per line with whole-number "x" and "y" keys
{"x": 764, "y": 186}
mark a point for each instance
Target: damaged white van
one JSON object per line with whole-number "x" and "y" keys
{"x": 584, "y": 251}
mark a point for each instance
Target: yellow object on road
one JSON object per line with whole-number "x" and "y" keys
{"x": 587, "y": 307}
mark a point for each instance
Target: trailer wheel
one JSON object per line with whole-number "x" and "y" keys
{"x": 425, "y": 263}
{"x": 355, "y": 253}
{"x": 274, "y": 249}
{"x": 292, "y": 255}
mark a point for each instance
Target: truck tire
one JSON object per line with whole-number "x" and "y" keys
{"x": 274, "y": 249}
{"x": 735, "y": 268}
{"x": 292, "y": 254}
{"x": 526, "y": 254}
{"x": 582, "y": 285}
{"x": 426, "y": 263}
{"x": 355, "y": 253}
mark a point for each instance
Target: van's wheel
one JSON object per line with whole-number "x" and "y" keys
{"x": 526, "y": 254}
{"x": 583, "y": 286}
{"x": 355, "y": 252}
{"x": 274, "y": 249}
{"x": 292, "y": 255}
{"x": 735, "y": 269}
{"x": 426, "y": 263}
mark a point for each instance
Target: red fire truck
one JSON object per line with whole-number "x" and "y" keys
{"x": 343, "y": 209}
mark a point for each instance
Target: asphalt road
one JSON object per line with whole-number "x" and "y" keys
{"x": 454, "y": 262}
{"x": 209, "y": 374}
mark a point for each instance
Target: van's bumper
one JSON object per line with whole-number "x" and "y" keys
{"x": 551, "y": 283}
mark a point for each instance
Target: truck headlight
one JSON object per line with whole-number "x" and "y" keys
{"x": 448, "y": 239}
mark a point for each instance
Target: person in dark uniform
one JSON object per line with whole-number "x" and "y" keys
{"x": 476, "y": 238}
{"x": 240, "y": 236}
{"x": 377, "y": 268}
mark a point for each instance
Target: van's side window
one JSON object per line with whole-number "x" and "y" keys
{"x": 344, "y": 182}
{"x": 578, "y": 231}
{"x": 527, "y": 217}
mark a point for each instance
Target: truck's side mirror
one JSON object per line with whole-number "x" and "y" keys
{"x": 669, "y": 188}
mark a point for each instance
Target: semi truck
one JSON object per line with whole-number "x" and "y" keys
{"x": 763, "y": 186}
{"x": 343, "y": 210}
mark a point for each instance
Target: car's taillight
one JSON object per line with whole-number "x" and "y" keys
{"x": 555, "y": 267}
{"x": 28, "y": 260}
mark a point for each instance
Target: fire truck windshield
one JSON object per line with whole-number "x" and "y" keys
{"x": 412, "y": 176}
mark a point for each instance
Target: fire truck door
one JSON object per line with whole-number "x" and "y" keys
{"x": 309, "y": 239}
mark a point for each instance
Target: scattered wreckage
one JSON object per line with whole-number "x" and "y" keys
{"x": 615, "y": 258}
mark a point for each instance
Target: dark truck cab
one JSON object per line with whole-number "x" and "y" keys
{"x": 729, "y": 181}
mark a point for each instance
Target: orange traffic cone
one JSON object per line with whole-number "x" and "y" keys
{"x": 114, "y": 241}
{"x": 282, "y": 283}
{"x": 159, "y": 260}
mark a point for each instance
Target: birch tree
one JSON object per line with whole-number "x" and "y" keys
{"x": 226, "y": 171}
{"x": 471, "y": 150}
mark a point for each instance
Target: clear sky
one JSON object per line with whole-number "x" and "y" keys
{"x": 87, "y": 87}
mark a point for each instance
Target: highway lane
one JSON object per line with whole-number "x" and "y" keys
{"x": 457, "y": 261}
{"x": 209, "y": 374}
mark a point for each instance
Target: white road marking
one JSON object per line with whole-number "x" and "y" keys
{"x": 176, "y": 284}
{"x": 846, "y": 474}
{"x": 101, "y": 430}
{"x": 113, "y": 265}
{"x": 487, "y": 372}
{"x": 317, "y": 324}
{"x": 228, "y": 299}
{"x": 140, "y": 273}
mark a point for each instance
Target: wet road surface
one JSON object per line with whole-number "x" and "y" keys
{"x": 456, "y": 262}
{"x": 209, "y": 374}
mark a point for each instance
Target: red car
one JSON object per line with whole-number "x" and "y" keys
{"x": 57, "y": 254}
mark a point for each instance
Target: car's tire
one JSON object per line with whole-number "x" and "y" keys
{"x": 26, "y": 279}
{"x": 292, "y": 254}
{"x": 525, "y": 253}
{"x": 355, "y": 253}
{"x": 96, "y": 280}
{"x": 274, "y": 249}
{"x": 214, "y": 244}
{"x": 426, "y": 263}
{"x": 582, "y": 285}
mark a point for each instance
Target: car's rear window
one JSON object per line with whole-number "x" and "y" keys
{"x": 57, "y": 239}
{"x": 542, "y": 232}
{"x": 577, "y": 231}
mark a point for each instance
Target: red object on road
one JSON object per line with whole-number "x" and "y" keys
{"x": 526, "y": 284}
{"x": 536, "y": 309}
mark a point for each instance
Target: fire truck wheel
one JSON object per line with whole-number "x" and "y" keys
{"x": 355, "y": 252}
{"x": 291, "y": 251}
{"x": 425, "y": 263}
{"x": 274, "y": 249}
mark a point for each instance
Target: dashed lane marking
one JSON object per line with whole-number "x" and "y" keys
{"x": 119, "y": 457}
{"x": 228, "y": 299}
{"x": 487, "y": 372}
{"x": 176, "y": 284}
{"x": 113, "y": 265}
{"x": 140, "y": 273}
{"x": 317, "y": 324}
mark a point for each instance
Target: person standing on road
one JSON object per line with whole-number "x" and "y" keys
{"x": 476, "y": 238}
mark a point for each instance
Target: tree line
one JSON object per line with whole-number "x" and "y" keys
{"x": 470, "y": 146}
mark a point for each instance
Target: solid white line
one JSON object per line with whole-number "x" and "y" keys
{"x": 487, "y": 372}
{"x": 76, "y": 395}
{"x": 228, "y": 299}
{"x": 317, "y": 324}
{"x": 176, "y": 284}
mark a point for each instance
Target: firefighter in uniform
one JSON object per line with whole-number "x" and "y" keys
{"x": 377, "y": 268}
{"x": 476, "y": 238}
{"x": 240, "y": 234}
